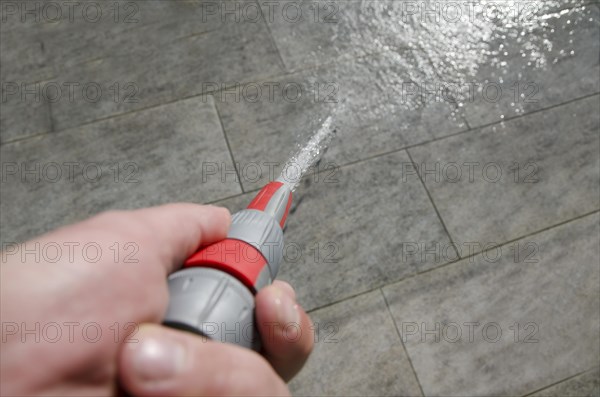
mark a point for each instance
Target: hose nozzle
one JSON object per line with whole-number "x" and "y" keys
{"x": 214, "y": 294}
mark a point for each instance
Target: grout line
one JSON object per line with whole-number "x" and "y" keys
{"x": 560, "y": 381}
{"x": 50, "y": 118}
{"x": 433, "y": 204}
{"x": 367, "y": 291}
{"x": 387, "y": 305}
{"x": 232, "y": 197}
{"x": 222, "y": 199}
{"x": 536, "y": 111}
{"x": 286, "y": 73}
{"x": 448, "y": 264}
{"x": 237, "y": 172}
{"x": 109, "y": 117}
{"x": 502, "y": 244}
{"x": 310, "y": 173}
{"x": 473, "y": 130}
{"x": 224, "y": 87}
{"x": 272, "y": 38}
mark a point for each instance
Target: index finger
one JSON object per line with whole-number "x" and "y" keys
{"x": 165, "y": 235}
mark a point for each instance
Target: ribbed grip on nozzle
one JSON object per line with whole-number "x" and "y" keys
{"x": 214, "y": 304}
{"x": 262, "y": 232}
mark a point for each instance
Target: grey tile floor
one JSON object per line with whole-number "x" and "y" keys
{"x": 448, "y": 242}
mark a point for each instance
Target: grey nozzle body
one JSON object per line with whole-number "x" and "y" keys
{"x": 214, "y": 304}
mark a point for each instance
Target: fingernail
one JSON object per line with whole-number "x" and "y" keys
{"x": 287, "y": 308}
{"x": 158, "y": 358}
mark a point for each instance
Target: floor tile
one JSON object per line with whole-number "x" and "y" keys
{"x": 181, "y": 68}
{"x": 503, "y": 182}
{"x": 140, "y": 159}
{"x": 455, "y": 320}
{"x": 357, "y": 229}
{"x": 309, "y": 33}
{"x": 123, "y": 27}
{"x": 22, "y": 57}
{"x": 363, "y": 95}
{"x": 587, "y": 384}
{"x": 551, "y": 61}
{"x": 76, "y": 33}
{"x": 24, "y": 112}
{"x": 107, "y": 68}
{"x": 357, "y": 353}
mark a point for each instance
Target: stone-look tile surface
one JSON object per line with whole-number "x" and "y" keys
{"x": 22, "y": 116}
{"x": 375, "y": 225}
{"x": 180, "y": 68}
{"x": 554, "y": 61}
{"x": 365, "y": 97}
{"x": 23, "y": 110}
{"x": 557, "y": 148}
{"x": 40, "y": 44}
{"x": 587, "y": 384}
{"x": 555, "y": 302}
{"x": 144, "y": 158}
{"x": 310, "y": 33}
{"x": 113, "y": 68}
{"x": 356, "y": 231}
{"x": 101, "y": 29}
{"x": 546, "y": 51}
{"x": 357, "y": 353}
{"x": 22, "y": 57}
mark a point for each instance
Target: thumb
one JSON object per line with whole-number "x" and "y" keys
{"x": 164, "y": 362}
{"x": 285, "y": 329}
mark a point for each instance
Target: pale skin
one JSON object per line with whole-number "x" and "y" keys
{"x": 137, "y": 356}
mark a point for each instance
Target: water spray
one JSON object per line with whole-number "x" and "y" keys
{"x": 213, "y": 295}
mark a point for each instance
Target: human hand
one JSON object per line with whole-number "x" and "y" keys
{"x": 81, "y": 321}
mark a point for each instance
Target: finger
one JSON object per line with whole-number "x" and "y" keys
{"x": 182, "y": 228}
{"x": 165, "y": 235}
{"x": 286, "y": 330}
{"x": 286, "y": 288}
{"x": 166, "y": 362}
{"x": 159, "y": 240}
